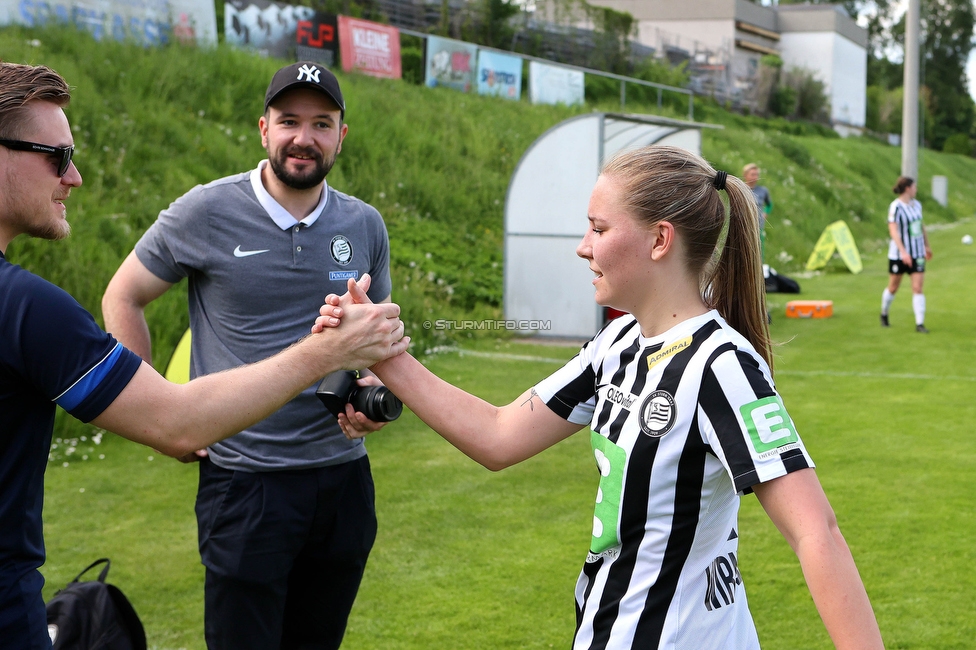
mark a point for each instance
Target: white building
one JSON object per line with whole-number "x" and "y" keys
{"x": 825, "y": 40}
{"x": 729, "y": 37}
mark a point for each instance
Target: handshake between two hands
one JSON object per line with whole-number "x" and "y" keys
{"x": 330, "y": 314}
{"x": 352, "y": 418}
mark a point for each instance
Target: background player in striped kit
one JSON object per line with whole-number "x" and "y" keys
{"x": 684, "y": 418}
{"x": 907, "y": 251}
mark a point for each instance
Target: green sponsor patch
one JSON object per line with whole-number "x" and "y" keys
{"x": 768, "y": 423}
{"x": 611, "y": 460}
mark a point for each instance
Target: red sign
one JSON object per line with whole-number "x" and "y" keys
{"x": 306, "y": 34}
{"x": 370, "y": 48}
{"x": 317, "y": 39}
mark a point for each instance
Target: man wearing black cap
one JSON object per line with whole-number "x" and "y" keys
{"x": 285, "y": 508}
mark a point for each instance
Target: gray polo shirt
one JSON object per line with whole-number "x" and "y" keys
{"x": 257, "y": 278}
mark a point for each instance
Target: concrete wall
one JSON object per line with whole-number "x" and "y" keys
{"x": 818, "y": 18}
{"x": 841, "y": 64}
{"x": 672, "y": 10}
{"x": 749, "y": 12}
{"x": 713, "y": 34}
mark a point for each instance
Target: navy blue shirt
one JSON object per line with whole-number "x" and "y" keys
{"x": 51, "y": 352}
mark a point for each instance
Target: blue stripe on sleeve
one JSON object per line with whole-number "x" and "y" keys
{"x": 82, "y": 388}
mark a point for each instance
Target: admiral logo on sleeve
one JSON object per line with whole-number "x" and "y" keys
{"x": 770, "y": 429}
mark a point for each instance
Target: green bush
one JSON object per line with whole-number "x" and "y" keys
{"x": 958, "y": 143}
{"x": 884, "y": 109}
{"x": 412, "y": 64}
{"x": 811, "y": 96}
{"x": 783, "y": 101}
{"x": 603, "y": 89}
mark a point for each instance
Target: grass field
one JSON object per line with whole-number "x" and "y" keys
{"x": 470, "y": 559}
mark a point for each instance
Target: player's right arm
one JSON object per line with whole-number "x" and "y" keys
{"x": 131, "y": 289}
{"x": 896, "y": 237}
{"x": 494, "y": 436}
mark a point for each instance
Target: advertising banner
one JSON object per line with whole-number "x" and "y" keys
{"x": 499, "y": 75}
{"x": 268, "y": 28}
{"x": 450, "y": 63}
{"x": 553, "y": 84}
{"x": 149, "y": 22}
{"x": 370, "y": 48}
{"x": 317, "y": 39}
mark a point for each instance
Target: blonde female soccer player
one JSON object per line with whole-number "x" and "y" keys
{"x": 684, "y": 418}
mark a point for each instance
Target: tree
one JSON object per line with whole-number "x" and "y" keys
{"x": 491, "y": 23}
{"x": 795, "y": 93}
{"x": 947, "y": 40}
{"x": 947, "y": 33}
{"x": 948, "y": 28}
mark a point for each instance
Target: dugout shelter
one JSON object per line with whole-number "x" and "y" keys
{"x": 545, "y": 215}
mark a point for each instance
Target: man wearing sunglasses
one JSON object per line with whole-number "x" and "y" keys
{"x": 53, "y": 354}
{"x": 61, "y": 154}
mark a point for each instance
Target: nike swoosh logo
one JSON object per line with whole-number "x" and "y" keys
{"x": 239, "y": 253}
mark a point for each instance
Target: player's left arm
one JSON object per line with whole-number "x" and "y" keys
{"x": 797, "y": 505}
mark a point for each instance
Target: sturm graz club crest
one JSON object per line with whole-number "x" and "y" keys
{"x": 657, "y": 414}
{"x": 341, "y": 249}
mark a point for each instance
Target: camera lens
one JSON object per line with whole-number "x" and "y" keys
{"x": 377, "y": 403}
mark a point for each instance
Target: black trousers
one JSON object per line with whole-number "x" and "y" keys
{"x": 284, "y": 553}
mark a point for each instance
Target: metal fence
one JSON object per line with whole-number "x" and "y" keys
{"x": 565, "y": 46}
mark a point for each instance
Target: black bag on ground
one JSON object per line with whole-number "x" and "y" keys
{"x": 776, "y": 283}
{"x": 93, "y": 615}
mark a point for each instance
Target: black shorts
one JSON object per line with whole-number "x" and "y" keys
{"x": 898, "y": 267}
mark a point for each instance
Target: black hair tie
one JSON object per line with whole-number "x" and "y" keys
{"x": 719, "y": 181}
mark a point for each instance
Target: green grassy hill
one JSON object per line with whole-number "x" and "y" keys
{"x": 149, "y": 124}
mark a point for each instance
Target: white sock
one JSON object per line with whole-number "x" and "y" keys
{"x": 918, "y": 304}
{"x": 886, "y": 299}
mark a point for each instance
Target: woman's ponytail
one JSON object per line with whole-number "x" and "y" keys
{"x": 736, "y": 287}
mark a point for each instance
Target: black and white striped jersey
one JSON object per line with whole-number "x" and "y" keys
{"x": 680, "y": 425}
{"x": 909, "y": 220}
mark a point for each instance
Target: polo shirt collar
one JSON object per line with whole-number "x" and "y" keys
{"x": 282, "y": 218}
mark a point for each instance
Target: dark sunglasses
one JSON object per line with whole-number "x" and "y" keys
{"x": 64, "y": 153}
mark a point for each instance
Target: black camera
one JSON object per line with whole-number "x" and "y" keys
{"x": 377, "y": 403}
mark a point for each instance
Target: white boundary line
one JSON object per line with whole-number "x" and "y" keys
{"x": 874, "y": 375}
{"x": 501, "y": 356}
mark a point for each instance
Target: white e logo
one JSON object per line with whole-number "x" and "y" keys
{"x": 768, "y": 423}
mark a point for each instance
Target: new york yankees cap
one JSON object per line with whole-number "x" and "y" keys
{"x": 305, "y": 74}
